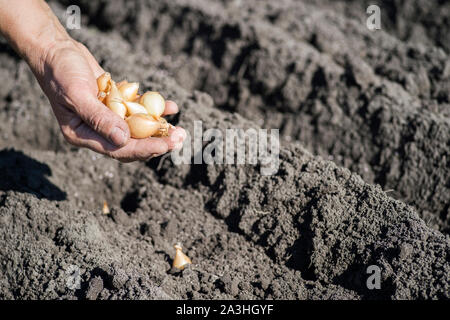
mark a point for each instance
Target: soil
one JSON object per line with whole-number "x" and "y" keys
{"x": 363, "y": 175}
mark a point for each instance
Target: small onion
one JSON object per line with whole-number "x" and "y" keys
{"x": 144, "y": 126}
{"x": 164, "y": 130}
{"x": 138, "y": 98}
{"x": 105, "y": 209}
{"x": 134, "y": 107}
{"x": 143, "y": 114}
{"x": 104, "y": 82}
{"x": 114, "y": 101}
{"x": 154, "y": 103}
{"x": 180, "y": 260}
{"x": 129, "y": 90}
{"x": 121, "y": 83}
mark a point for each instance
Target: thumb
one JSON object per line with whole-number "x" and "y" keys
{"x": 105, "y": 122}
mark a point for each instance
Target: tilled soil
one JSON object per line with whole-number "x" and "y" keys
{"x": 364, "y": 164}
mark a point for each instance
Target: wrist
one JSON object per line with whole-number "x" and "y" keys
{"x": 36, "y": 32}
{"x": 31, "y": 28}
{"x": 36, "y": 52}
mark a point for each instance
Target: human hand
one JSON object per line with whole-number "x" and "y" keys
{"x": 67, "y": 73}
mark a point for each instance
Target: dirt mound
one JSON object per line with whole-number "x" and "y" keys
{"x": 308, "y": 232}
{"x": 363, "y": 99}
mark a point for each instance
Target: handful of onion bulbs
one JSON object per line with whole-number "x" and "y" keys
{"x": 141, "y": 112}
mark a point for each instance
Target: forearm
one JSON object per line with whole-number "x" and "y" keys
{"x": 31, "y": 28}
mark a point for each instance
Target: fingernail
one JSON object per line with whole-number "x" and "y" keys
{"x": 118, "y": 136}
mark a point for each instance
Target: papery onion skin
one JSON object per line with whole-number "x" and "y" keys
{"x": 180, "y": 260}
{"x": 121, "y": 83}
{"x": 143, "y": 126}
{"x": 164, "y": 129}
{"x": 114, "y": 101}
{"x": 134, "y": 107}
{"x": 101, "y": 96}
{"x": 154, "y": 103}
{"x": 143, "y": 113}
{"x": 129, "y": 91}
{"x": 104, "y": 82}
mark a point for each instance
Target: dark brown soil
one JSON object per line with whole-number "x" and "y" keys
{"x": 359, "y": 111}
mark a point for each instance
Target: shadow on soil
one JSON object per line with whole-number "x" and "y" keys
{"x": 19, "y": 172}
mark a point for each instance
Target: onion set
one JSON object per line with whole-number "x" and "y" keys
{"x": 143, "y": 113}
{"x": 180, "y": 260}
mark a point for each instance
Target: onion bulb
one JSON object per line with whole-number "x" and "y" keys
{"x": 180, "y": 260}
{"x": 114, "y": 101}
{"x": 105, "y": 209}
{"x": 143, "y": 126}
{"x": 101, "y": 96}
{"x": 134, "y": 107}
{"x": 121, "y": 83}
{"x": 104, "y": 82}
{"x": 143, "y": 114}
{"x": 129, "y": 91}
{"x": 138, "y": 98}
{"x": 154, "y": 103}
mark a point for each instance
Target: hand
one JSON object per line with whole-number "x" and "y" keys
{"x": 67, "y": 73}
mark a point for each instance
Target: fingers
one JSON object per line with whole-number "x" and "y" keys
{"x": 175, "y": 138}
{"x": 86, "y": 122}
{"x": 113, "y": 128}
{"x": 142, "y": 149}
{"x": 79, "y": 133}
{"x": 95, "y": 126}
{"x": 103, "y": 121}
{"x": 170, "y": 108}
{"x": 93, "y": 64}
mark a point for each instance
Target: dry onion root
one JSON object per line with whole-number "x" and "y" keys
{"x": 143, "y": 113}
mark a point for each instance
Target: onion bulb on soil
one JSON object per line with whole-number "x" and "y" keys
{"x": 180, "y": 260}
{"x": 105, "y": 209}
{"x": 143, "y": 126}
